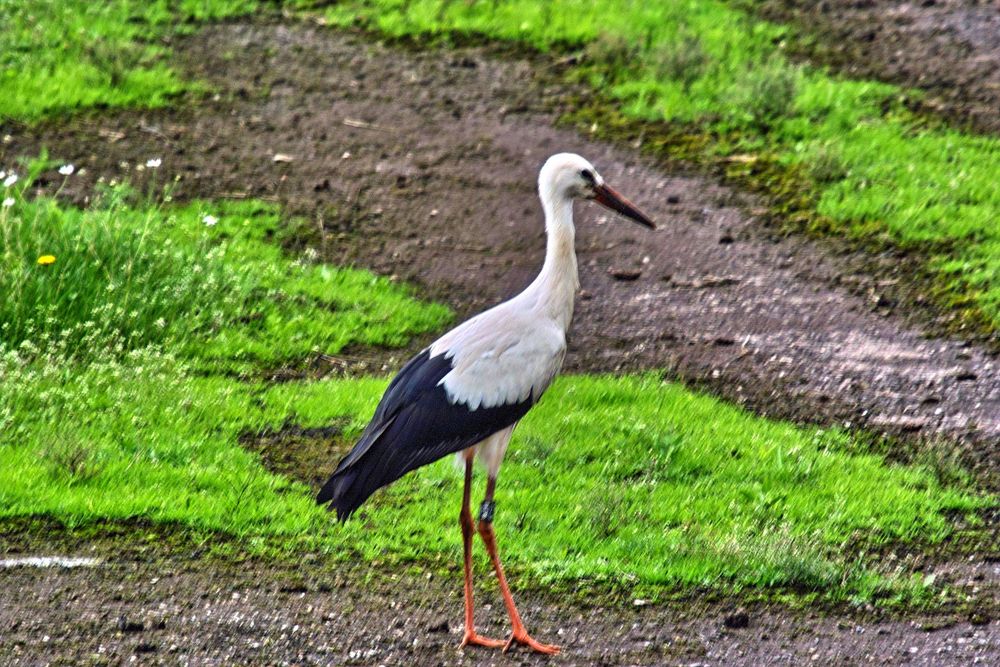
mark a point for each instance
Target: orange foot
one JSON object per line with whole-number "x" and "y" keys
{"x": 525, "y": 640}
{"x": 472, "y": 639}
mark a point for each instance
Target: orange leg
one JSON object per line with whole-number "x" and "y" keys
{"x": 468, "y": 528}
{"x": 519, "y": 634}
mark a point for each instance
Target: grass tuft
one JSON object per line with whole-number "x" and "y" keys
{"x": 637, "y": 478}
{"x": 124, "y": 277}
{"x": 63, "y": 55}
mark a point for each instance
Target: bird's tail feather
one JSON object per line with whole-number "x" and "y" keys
{"x": 342, "y": 493}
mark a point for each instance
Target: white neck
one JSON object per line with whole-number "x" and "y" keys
{"x": 553, "y": 291}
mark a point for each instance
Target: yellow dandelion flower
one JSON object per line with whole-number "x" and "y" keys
{"x": 47, "y": 259}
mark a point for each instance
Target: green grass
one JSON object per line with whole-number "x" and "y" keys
{"x": 225, "y": 295}
{"x": 609, "y": 478}
{"x": 636, "y": 477}
{"x": 871, "y": 169}
{"x": 61, "y": 55}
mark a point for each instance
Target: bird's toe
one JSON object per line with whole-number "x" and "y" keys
{"x": 473, "y": 639}
{"x": 526, "y": 640}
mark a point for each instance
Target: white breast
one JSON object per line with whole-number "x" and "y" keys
{"x": 501, "y": 357}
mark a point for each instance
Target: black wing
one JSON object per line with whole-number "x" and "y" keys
{"x": 414, "y": 424}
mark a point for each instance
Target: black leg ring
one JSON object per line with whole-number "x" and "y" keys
{"x": 486, "y": 511}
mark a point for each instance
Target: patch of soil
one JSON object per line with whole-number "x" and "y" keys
{"x": 422, "y": 166}
{"x": 171, "y": 605}
{"x": 308, "y": 455}
{"x": 949, "y": 48}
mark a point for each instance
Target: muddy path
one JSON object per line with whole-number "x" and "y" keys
{"x": 139, "y": 606}
{"x": 949, "y": 48}
{"x": 422, "y": 166}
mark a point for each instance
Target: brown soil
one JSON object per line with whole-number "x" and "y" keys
{"x": 949, "y": 48}
{"x": 309, "y": 455}
{"x": 140, "y": 606}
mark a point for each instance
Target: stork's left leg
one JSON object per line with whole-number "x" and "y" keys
{"x": 519, "y": 634}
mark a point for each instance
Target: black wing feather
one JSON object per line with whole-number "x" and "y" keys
{"x": 414, "y": 424}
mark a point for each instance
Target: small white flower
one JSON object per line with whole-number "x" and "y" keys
{"x": 10, "y": 180}
{"x": 209, "y": 220}
{"x": 3, "y": 174}
{"x": 153, "y": 163}
{"x": 8, "y": 202}
{"x": 67, "y": 170}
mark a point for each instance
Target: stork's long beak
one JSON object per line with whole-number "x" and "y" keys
{"x": 607, "y": 196}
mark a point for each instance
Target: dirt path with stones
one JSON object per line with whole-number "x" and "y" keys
{"x": 949, "y": 48}
{"x": 133, "y": 609}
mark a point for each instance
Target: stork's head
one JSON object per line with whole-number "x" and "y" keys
{"x": 567, "y": 176}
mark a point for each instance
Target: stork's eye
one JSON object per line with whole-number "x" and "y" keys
{"x": 588, "y": 176}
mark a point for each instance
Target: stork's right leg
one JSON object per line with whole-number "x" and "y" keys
{"x": 468, "y": 530}
{"x": 519, "y": 634}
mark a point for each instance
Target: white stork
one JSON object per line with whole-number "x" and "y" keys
{"x": 465, "y": 393}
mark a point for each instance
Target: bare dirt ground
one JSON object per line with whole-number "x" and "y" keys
{"x": 184, "y": 609}
{"x": 949, "y": 48}
{"x": 422, "y": 165}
